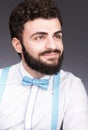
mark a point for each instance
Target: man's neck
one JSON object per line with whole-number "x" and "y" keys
{"x": 32, "y": 72}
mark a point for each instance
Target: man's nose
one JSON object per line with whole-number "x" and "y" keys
{"x": 51, "y": 44}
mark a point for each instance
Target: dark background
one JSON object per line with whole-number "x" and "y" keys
{"x": 75, "y": 36}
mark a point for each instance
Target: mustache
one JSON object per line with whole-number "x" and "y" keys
{"x": 50, "y": 51}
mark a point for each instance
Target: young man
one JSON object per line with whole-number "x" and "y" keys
{"x": 35, "y": 93}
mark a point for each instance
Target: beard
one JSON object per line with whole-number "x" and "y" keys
{"x": 39, "y": 65}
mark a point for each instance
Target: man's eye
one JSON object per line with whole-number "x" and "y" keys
{"x": 58, "y": 37}
{"x": 41, "y": 37}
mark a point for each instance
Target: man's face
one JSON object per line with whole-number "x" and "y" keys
{"x": 42, "y": 45}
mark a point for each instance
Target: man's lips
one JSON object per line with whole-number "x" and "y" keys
{"x": 51, "y": 52}
{"x": 51, "y": 56}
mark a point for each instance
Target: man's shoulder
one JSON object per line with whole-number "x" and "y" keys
{"x": 66, "y": 75}
{"x": 70, "y": 82}
{"x": 12, "y": 68}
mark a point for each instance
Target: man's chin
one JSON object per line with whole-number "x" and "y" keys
{"x": 51, "y": 63}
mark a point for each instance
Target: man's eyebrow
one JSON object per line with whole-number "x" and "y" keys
{"x": 37, "y": 33}
{"x": 44, "y": 33}
{"x": 58, "y": 32}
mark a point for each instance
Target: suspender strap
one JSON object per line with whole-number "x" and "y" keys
{"x": 55, "y": 102}
{"x": 3, "y": 80}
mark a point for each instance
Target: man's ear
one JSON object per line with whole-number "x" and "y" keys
{"x": 17, "y": 45}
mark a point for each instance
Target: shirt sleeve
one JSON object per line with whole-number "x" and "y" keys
{"x": 76, "y": 114}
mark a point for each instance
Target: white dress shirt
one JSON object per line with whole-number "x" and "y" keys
{"x": 30, "y": 107}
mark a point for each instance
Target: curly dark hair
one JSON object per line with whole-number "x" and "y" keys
{"x": 30, "y": 10}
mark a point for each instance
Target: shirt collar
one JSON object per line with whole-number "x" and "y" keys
{"x": 23, "y": 72}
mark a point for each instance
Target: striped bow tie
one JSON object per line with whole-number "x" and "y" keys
{"x": 43, "y": 83}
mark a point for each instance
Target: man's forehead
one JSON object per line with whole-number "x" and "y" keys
{"x": 43, "y": 25}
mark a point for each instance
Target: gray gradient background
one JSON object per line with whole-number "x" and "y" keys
{"x": 75, "y": 36}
